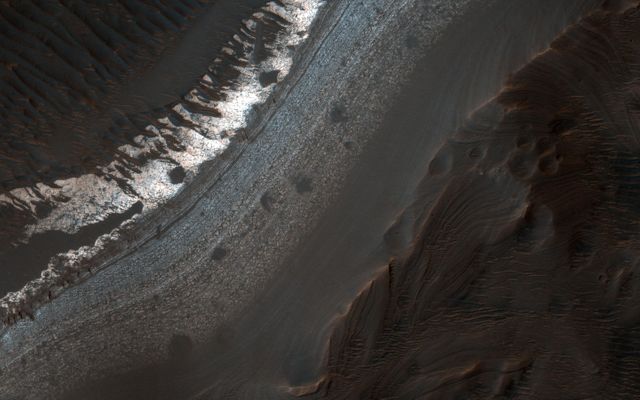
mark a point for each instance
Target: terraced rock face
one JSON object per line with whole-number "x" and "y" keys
{"x": 79, "y": 79}
{"x": 108, "y": 109}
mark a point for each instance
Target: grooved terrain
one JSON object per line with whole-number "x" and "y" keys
{"x": 522, "y": 278}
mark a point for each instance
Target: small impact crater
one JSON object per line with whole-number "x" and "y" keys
{"x": 303, "y": 184}
{"x": 266, "y": 201}
{"x": 268, "y": 78}
{"x": 177, "y": 175}
{"x": 338, "y": 113}
{"x": 218, "y": 253}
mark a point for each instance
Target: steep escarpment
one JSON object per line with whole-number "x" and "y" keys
{"x": 95, "y": 88}
{"x": 76, "y": 77}
{"x": 77, "y": 169}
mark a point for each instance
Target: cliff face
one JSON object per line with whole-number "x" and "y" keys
{"x": 80, "y": 79}
{"x": 108, "y": 107}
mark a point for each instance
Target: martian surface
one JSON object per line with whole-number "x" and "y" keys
{"x": 319, "y": 199}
